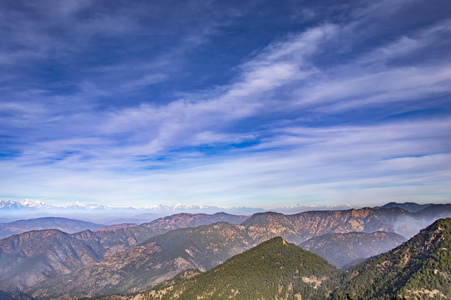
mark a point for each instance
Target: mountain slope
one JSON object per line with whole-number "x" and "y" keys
{"x": 63, "y": 224}
{"x": 14, "y": 296}
{"x": 300, "y": 227}
{"x": 158, "y": 259}
{"x": 274, "y": 269}
{"x": 28, "y": 261}
{"x": 123, "y": 238}
{"x": 340, "y": 249}
{"x": 419, "y": 268}
{"x": 184, "y": 220}
{"x": 436, "y": 211}
{"x": 33, "y": 256}
{"x": 409, "y": 206}
{"x": 163, "y": 256}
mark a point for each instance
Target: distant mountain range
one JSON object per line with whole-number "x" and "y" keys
{"x": 163, "y": 209}
{"x": 175, "y": 221}
{"x": 63, "y": 224}
{"x": 97, "y": 213}
{"x": 409, "y": 206}
{"x": 12, "y": 211}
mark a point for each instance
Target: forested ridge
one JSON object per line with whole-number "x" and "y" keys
{"x": 418, "y": 269}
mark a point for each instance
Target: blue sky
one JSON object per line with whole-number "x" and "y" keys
{"x": 227, "y": 103}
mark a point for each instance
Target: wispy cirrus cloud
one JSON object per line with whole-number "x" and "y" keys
{"x": 329, "y": 113}
{"x": 396, "y": 161}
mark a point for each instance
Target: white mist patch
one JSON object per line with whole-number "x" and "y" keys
{"x": 409, "y": 226}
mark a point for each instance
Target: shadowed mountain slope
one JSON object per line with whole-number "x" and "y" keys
{"x": 436, "y": 211}
{"x": 419, "y": 269}
{"x": 409, "y": 206}
{"x": 14, "y": 296}
{"x": 340, "y": 249}
{"x": 30, "y": 257}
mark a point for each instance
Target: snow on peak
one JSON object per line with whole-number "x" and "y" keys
{"x": 74, "y": 205}
{"x": 96, "y": 206}
{"x": 33, "y": 203}
{"x": 8, "y": 203}
{"x": 78, "y": 205}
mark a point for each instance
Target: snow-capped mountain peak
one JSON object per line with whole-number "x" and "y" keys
{"x": 74, "y": 205}
{"x": 9, "y": 204}
{"x": 33, "y": 203}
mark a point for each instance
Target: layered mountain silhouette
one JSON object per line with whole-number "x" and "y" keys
{"x": 31, "y": 257}
{"x": 34, "y": 256}
{"x": 418, "y": 269}
{"x": 63, "y": 224}
{"x": 298, "y": 228}
{"x": 258, "y": 228}
{"x": 131, "y": 258}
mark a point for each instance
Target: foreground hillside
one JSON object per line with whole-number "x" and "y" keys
{"x": 418, "y": 269}
{"x": 274, "y": 269}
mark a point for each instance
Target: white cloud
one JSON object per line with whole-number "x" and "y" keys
{"x": 151, "y": 153}
{"x": 398, "y": 161}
